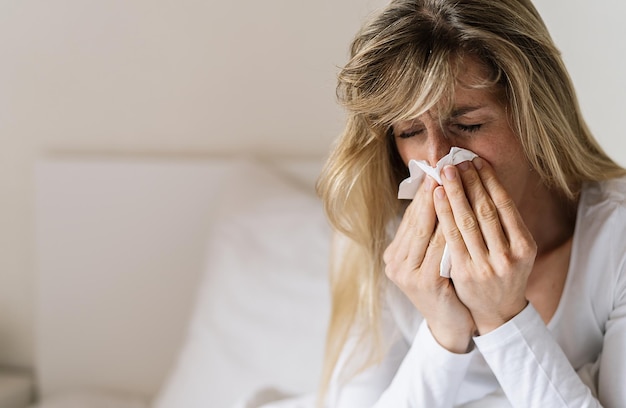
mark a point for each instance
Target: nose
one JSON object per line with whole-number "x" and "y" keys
{"x": 438, "y": 144}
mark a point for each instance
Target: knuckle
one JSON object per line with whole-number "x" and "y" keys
{"x": 471, "y": 179}
{"x": 506, "y": 261}
{"x": 520, "y": 253}
{"x": 402, "y": 280}
{"x": 527, "y": 249}
{"x": 404, "y": 277}
{"x": 522, "y": 249}
{"x": 454, "y": 235}
{"x": 467, "y": 273}
{"x": 486, "y": 211}
{"x": 411, "y": 221}
{"x": 396, "y": 270}
{"x": 393, "y": 271}
{"x": 421, "y": 233}
{"x": 390, "y": 271}
{"x": 468, "y": 223}
{"x": 505, "y": 204}
{"x": 483, "y": 273}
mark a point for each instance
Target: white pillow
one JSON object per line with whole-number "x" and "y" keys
{"x": 263, "y": 304}
{"x": 90, "y": 400}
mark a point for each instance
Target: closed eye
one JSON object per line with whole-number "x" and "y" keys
{"x": 410, "y": 133}
{"x": 469, "y": 128}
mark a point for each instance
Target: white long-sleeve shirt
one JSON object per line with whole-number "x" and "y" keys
{"x": 577, "y": 360}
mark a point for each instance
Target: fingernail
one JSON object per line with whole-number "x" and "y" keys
{"x": 439, "y": 193}
{"x": 478, "y": 163}
{"x": 463, "y": 165}
{"x": 449, "y": 172}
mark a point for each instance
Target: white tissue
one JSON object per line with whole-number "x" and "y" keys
{"x": 418, "y": 170}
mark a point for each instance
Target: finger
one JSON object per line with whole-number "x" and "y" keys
{"x": 421, "y": 228}
{"x": 464, "y": 217}
{"x": 408, "y": 220}
{"x": 512, "y": 223}
{"x": 417, "y": 225}
{"x": 434, "y": 252}
{"x": 447, "y": 223}
{"x": 483, "y": 207}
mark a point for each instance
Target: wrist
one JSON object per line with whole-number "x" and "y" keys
{"x": 486, "y": 324}
{"x": 457, "y": 340}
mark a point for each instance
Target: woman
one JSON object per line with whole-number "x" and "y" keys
{"x": 534, "y": 314}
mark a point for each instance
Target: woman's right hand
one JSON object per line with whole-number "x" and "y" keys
{"x": 412, "y": 263}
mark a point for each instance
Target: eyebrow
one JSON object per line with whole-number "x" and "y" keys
{"x": 464, "y": 109}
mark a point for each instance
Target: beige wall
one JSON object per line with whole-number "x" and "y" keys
{"x": 591, "y": 36}
{"x": 202, "y": 77}
{"x": 168, "y": 76}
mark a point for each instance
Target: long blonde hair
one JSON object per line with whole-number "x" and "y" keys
{"x": 403, "y": 61}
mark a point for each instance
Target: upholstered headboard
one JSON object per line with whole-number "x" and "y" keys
{"x": 120, "y": 250}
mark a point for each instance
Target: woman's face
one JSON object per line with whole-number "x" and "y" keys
{"x": 478, "y": 122}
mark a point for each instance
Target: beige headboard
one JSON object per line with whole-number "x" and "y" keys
{"x": 120, "y": 247}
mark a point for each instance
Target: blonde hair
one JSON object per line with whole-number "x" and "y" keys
{"x": 402, "y": 63}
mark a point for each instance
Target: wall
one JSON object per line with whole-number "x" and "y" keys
{"x": 154, "y": 77}
{"x": 590, "y": 36}
{"x": 204, "y": 77}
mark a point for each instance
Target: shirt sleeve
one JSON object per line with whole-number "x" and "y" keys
{"x": 422, "y": 374}
{"x": 612, "y": 369}
{"x": 530, "y": 365}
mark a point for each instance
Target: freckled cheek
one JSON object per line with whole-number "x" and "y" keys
{"x": 503, "y": 151}
{"x": 514, "y": 177}
{"x": 485, "y": 151}
{"x": 500, "y": 150}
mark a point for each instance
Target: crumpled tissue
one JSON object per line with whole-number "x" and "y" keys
{"x": 418, "y": 170}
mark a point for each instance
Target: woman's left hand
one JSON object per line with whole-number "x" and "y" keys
{"x": 492, "y": 251}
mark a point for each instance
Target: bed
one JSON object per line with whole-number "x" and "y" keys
{"x": 178, "y": 282}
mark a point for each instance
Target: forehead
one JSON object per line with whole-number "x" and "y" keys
{"x": 473, "y": 88}
{"x": 472, "y": 84}
{"x": 472, "y": 73}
